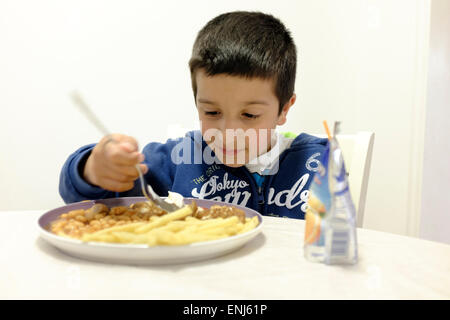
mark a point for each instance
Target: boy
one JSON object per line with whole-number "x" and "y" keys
{"x": 243, "y": 68}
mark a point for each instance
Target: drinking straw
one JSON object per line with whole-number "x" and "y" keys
{"x": 326, "y": 129}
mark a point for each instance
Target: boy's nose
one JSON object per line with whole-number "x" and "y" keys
{"x": 234, "y": 138}
{"x": 230, "y": 124}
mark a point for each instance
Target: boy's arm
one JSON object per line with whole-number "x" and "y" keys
{"x": 73, "y": 187}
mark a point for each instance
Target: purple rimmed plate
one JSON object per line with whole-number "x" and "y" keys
{"x": 139, "y": 253}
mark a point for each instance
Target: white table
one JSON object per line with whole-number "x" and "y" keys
{"x": 271, "y": 266}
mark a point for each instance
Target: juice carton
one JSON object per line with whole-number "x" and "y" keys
{"x": 330, "y": 226}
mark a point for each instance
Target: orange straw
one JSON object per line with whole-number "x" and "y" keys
{"x": 326, "y": 129}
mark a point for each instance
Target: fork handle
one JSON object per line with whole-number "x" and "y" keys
{"x": 143, "y": 185}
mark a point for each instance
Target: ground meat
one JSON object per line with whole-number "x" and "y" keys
{"x": 77, "y": 222}
{"x": 217, "y": 211}
{"x": 148, "y": 208}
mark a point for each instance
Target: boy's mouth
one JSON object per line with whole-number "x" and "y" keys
{"x": 230, "y": 151}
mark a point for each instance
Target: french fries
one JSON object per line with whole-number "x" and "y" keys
{"x": 175, "y": 228}
{"x": 176, "y": 215}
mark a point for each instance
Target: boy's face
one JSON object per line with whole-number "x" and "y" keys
{"x": 238, "y": 115}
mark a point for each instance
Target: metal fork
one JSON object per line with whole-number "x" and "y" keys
{"x": 146, "y": 188}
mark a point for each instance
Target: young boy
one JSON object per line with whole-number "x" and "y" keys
{"x": 243, "y": 68}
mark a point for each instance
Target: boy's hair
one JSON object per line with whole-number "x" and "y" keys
{"x": 247, "y": 44}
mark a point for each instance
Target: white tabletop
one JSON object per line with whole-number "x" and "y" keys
{"x": 271, "y": 266}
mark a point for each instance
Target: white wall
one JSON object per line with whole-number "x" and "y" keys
{"x": 435, "y": 215}
{"x": 359, "y": 62}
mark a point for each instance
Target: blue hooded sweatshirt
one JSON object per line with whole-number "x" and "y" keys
{"x": 188, "y": 166}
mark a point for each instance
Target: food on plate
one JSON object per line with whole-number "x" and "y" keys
{"x": 75, "y": 223}
{"x": 146, "y": 223}
{"x": 220, "y": 212}
{"x": 175, "y": 198}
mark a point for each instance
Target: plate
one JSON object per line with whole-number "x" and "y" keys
{"x": 139, "y": 253}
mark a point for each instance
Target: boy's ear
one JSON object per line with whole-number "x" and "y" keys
{"x": 282, "y": 117}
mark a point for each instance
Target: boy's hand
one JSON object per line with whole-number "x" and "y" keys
{"x": 111, "y": 164}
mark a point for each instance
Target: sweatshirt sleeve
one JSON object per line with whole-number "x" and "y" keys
{"x": 161, "y": 167}
{"x": 73, "y": 188}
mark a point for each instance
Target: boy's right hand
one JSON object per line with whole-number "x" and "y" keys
{"x": 111, "y": 164}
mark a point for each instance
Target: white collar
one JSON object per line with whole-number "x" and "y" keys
{"x": 266, "y": 162}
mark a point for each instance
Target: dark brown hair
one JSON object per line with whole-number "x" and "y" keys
{"x": 247, "y": 44}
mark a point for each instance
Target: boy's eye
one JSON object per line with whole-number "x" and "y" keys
{"x": 211, "y": 113}
{"x": 250, "y": 116}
